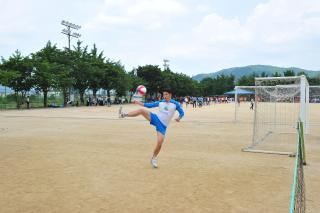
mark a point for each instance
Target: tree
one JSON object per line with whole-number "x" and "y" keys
{"x": 120, "y": 80}
{"x": 223, "y": 84}
{"x": 169, "y": 79}
{"x": 218, "y": 85}
{"x": 7, "y": 77}
{"x": 96, "y": 61}
{"x": 276, "y": 74}
{"x": 109, "y": 76}
{"x": 17, "y": 73}
{"x": 81, "y": 68}
{"x": 314, "y": 80}
{"x": 288, "y": 73}
{"x": 63, "y": 78}
{"x": 247, "y": 80}
{"x": 152, "y": 76}
{"x": 45, "y": 65}
{"x": 264, "y": 74}
{"x": 185, "y": 85}
{"x": 207, "y": 85}
{"x": 302, "y": 73}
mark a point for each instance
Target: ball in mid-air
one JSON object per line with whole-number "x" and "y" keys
{"x": 141, "y": 90}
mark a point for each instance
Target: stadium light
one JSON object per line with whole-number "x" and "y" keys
{"x": 165, "y": 64}
{"x": 67, "y": 31}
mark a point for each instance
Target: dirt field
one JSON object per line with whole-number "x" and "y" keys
{"x": 87, "y": 160}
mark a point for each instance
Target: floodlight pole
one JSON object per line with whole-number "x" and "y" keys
{"x": 68, "y": 35}
{"x": 165, "y": 64}
{"x": 67, "y": 31}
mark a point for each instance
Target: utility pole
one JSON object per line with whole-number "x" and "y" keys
{"x": 67, "y": 31}
{"x": 165, "y": 64}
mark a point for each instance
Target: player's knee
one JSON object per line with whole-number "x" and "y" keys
{"x": 141, "y": 111}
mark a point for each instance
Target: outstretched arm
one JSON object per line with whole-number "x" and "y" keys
{"x": 148, "y": 105}
{"x": 151, "y": 105}
{"x": 181, "y": 112}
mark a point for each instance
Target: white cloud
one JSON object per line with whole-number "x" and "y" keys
{"x": 202, "y": 8}
{"x": 283, "y": 21}
{"x": 277, "y": 26}
{"x": 194, "y": 32}
{"x": 13, "y": 18}
{"x": 214, "y": 38}
{"x": 156, "y": 7}
{"x": 216, "y": 29}
{"x": 142, "y": 14}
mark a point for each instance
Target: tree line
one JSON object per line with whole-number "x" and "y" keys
{"x": 248, "y": 80}
{"x": 82, "y": 68}
{"x": 223, "y": 83}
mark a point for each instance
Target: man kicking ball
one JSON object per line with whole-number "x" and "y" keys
{"x": 160, "y": 120}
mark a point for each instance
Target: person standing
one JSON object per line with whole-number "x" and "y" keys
{"x": 252, "y": 104}
{"x": 28, "y": 102}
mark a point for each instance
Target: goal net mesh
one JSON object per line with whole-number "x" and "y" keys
{"x": 279, "y": 103}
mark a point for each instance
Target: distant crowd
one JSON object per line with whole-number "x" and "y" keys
{"x": 104, "y": 101}
{"x": 203, "y": 101}
{"x": 184, "y": 101}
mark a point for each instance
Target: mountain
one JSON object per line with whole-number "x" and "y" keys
{"x": 238, "y": 72}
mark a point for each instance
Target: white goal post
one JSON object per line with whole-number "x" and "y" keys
{"x": 279, "y": 102}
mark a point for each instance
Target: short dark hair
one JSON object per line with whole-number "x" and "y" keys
{"x": 167, "y": 89}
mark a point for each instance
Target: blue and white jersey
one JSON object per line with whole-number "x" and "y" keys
{"x": 166, "y": 110}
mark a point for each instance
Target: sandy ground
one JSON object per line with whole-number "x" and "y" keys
{"x": 87, "y": 160}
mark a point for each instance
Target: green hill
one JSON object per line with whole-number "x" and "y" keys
{"x": 238, "y": 72}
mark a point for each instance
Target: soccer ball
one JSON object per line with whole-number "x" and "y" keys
{"x": 141, "y": 90}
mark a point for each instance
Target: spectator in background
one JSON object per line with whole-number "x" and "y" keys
{"x": 194, "y": 102}
{"x": 28, "y": 102}
{"x": 109, "y": 101}
{"x": 186, "y": 100}
{"x": 252, "y": 104}
{"x": 181, "y": 99}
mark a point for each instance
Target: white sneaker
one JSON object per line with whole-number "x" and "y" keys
{"x": 120, "y": 112}
{"x": 154, "y": 162}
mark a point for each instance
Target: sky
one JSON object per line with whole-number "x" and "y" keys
{"x": 196, "y": 36}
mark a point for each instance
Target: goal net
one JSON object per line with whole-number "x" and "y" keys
{"x": 314, "y": 94}
{"x": 279, "y": 103}
{"x": 314, "y": 99}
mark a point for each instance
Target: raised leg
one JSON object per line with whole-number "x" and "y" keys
{"x": 143, "y": 112}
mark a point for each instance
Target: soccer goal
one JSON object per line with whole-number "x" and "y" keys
{"x": 279, "y": 103}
